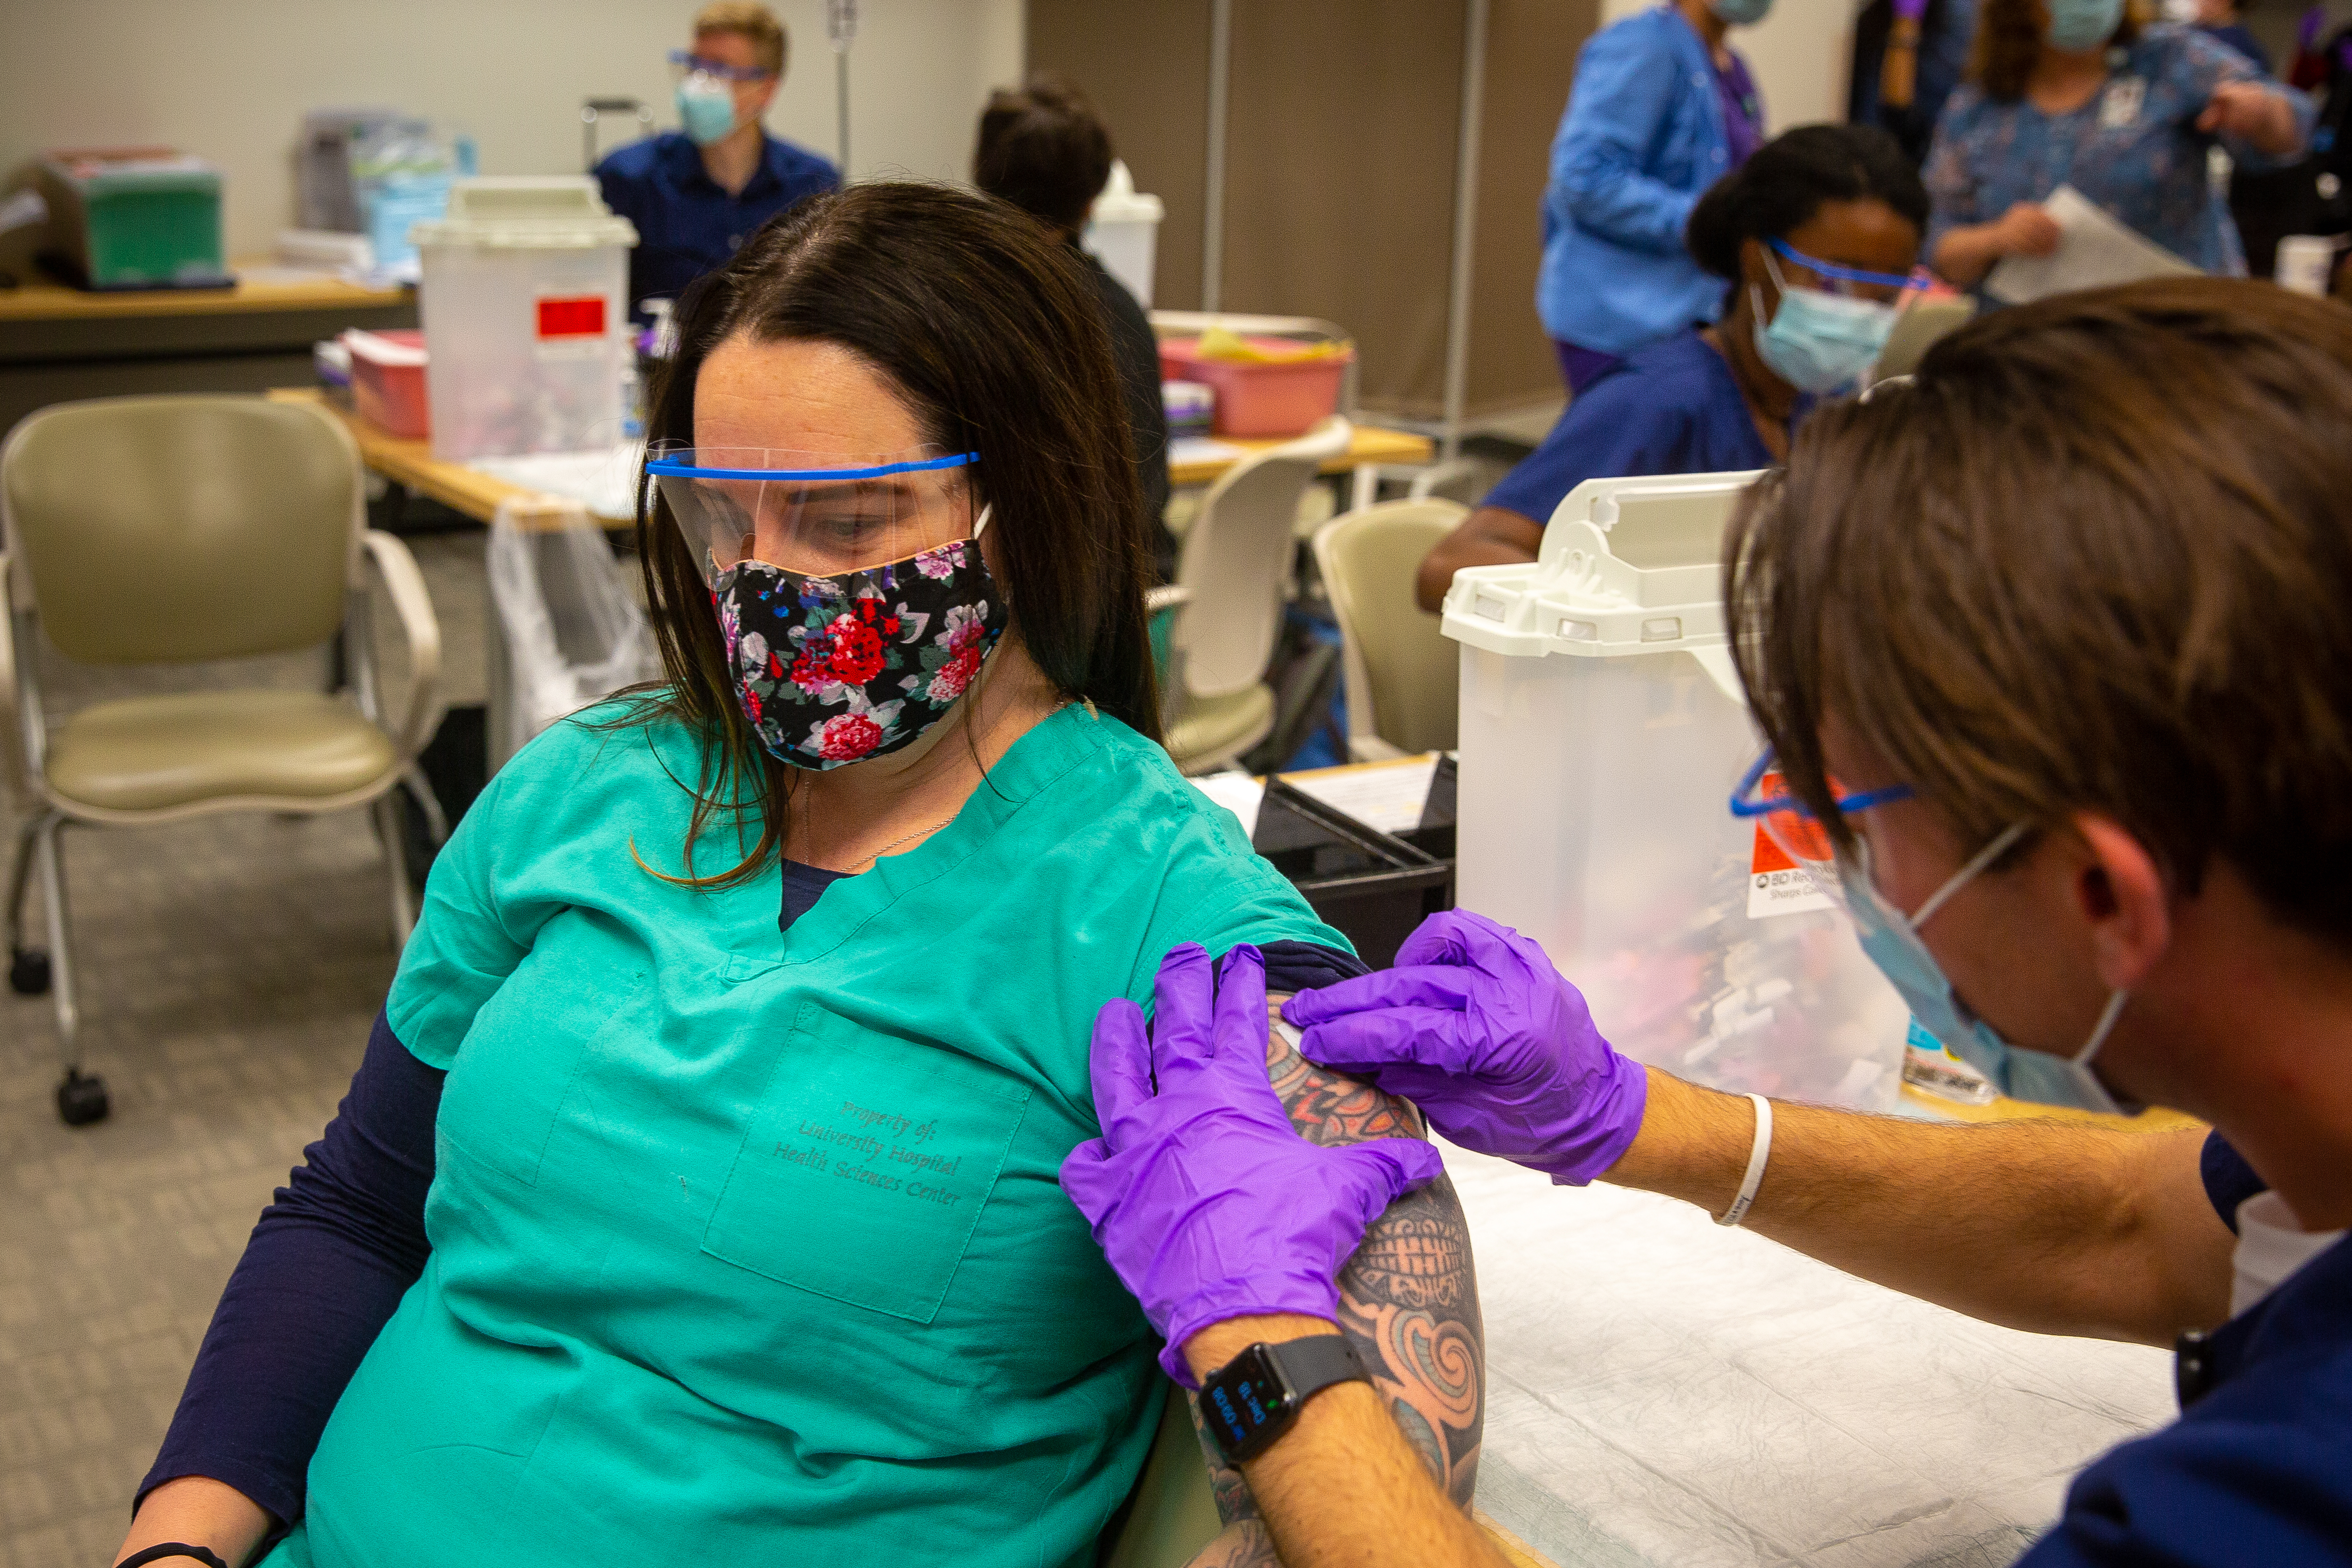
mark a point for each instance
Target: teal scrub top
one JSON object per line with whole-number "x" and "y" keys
{"x": 748, "y": 1244}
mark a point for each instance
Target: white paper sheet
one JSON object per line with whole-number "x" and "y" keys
{"x": 1661, "y": 1390}
{"x": 1388, "y": 796}
{"x": 1240, "y": 794}
{"x": 1202, "y": 449}
{"x": 2094, "y": 249}
{"x": 605, "y": 481}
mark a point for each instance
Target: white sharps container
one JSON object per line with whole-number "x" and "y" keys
{"x": 526, "y": 320}
{"x": 1123, "y": 233}
{"x": 1602, "y": 732}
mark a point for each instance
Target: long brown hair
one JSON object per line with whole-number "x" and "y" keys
{"x": 2094, "y": 557}
{"x": 994, "y": 338}
{"x": 2009, "y": 41}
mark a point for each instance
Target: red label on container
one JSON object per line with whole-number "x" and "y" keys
{"x": 569, "y": 316}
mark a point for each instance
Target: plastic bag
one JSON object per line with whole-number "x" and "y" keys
{"x": 572, "y": 630}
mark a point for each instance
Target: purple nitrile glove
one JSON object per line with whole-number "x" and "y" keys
{"x": 1475, "y": 1026}
{"x": 1204, "y": 1196}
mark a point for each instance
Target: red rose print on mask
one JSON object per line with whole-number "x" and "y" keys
{"x": 845, "y": 737}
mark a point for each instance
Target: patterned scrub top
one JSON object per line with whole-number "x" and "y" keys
{"x": 2134, "y": 149}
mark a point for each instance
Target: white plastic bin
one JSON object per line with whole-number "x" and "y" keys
{"x": 1602, "y": 731}
{"x": 1123, "y": 232}
{"x": 525, "y": 321}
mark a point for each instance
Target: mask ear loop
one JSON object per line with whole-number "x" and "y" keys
{"x": 986, "y": 511}
{"x": 1960, "y": 878}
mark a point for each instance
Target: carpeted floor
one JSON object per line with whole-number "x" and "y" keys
{"x": 228, "y": 971}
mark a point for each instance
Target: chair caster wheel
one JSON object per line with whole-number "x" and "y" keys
{"x": 81, "y": 1099}
{"x": 28, "y": 971}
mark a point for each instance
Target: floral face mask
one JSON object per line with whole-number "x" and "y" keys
{"x": 833, "y": 670}
{"x": 855, "y": 606}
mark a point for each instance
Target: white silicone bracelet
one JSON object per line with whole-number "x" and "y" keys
{"x": 1757, "y": 1158}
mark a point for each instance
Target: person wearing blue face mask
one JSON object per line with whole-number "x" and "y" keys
{"x": 2054, "y": 662}
{"x": 2093, "y": 94}
{"x": 1816, "y": 236}
{"x": 1662, "y": 109}
{"x": 697, "y": 194}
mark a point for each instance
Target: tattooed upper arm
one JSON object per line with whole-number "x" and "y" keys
{"x": 1409, "y": 1300}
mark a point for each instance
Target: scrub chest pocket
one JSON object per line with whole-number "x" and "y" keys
{"x": 865, "y": 1166}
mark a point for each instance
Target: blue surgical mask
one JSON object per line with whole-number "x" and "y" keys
{"x": 1741, "y": 13}
{"x": 1891, "y": 941}
{"x": 1818, "y": 341}
{"x": 2078, "y": 24}
{"x": 706, "y": 107}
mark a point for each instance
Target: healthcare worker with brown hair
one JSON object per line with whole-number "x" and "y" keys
{"x": 2056, "y": 665}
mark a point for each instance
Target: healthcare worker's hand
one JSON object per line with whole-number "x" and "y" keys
{"x": 1475, "y": 1026}
{"x": 1205, "y": 1199}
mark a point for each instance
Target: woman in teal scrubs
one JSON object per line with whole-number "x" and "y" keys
{"x": 763, "y": 997}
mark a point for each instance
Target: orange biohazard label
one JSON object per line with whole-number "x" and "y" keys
{"x": 1776, "y": 885}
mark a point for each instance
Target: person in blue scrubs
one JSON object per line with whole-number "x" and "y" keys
{"x": 2054, "y": 664}
{"x": 1824, "y": 213}
{"x": 1662, "y": 109}
{"x": 695, "y": 194}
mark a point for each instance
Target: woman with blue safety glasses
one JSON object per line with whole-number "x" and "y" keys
{"x": 2056, "y": 662}
{"x": 1816, "y": 236}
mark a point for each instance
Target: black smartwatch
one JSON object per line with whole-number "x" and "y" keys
{"x": 1252, "y": 1399}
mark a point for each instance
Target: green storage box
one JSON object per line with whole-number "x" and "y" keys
{"x": 138, "y": 218}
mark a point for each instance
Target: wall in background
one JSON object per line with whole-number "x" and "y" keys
{"x": 230, "y": 80}
{"x": 1801, "y": 55}
{"x": 1341, "y": 135}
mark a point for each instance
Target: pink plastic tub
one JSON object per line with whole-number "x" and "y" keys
{"x": 388, "y": 380}
{"x": 1261, "y": 400}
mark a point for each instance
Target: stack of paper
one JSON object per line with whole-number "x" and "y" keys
{"x": 2094, "y": 249}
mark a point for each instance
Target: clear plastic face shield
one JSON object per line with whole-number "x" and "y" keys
{"x": 819, "y": 514}
{"x": 1891, "y": 938}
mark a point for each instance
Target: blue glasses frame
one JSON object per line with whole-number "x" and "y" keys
{"x": 1832, "y": 269}
{"x": 690, "y": 471}
{"x": 695, "y": 62}
{"x": 1747, "y": 803}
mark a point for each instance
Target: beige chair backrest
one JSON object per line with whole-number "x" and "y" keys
{"x": 1175, "y": 1513}
{"x": 1403, "y": 674}
{"x": 1236, "y": 560}
{"x": 154, "y": 529}
{"x": 1915, "y": 329}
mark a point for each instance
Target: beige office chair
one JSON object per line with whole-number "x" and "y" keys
{"x": 1402, "y": 672}
{"x": 1915, "y": 331}
{"x": 1228, "y": 594}
{"x": 156, "y": 531}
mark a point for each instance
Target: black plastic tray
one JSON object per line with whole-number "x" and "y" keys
{"x": 1374, "y": 887}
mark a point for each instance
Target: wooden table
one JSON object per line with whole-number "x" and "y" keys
{"x": 412, "y": 464}
{"x": 58, "y": 343}
{"x": 1372, "y": 445}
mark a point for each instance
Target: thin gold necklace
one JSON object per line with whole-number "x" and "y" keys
{"x": 808, "y": 836}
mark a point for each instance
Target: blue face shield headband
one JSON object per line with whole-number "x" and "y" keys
{"x": 1893, "y": 942}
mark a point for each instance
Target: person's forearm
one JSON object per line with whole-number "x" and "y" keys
{"x": 1487, "y": 537}
{"x": 1966, "y": 254}
{"x": 200, "y": 1512}
{"x": 2047, "y": 1226}
{"x": 1343, "y": 1486}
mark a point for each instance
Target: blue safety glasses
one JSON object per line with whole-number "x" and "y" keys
{"x": 1748, "y": 800}
{"x": 1854, "y": 276}
{"x": 687, "y": 60}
